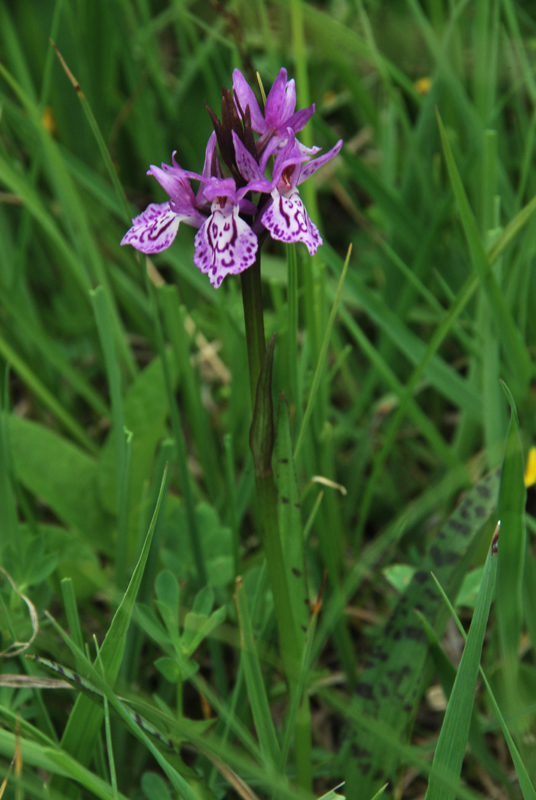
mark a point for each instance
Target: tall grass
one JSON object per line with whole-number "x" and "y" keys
{"x": 392, "y": 366}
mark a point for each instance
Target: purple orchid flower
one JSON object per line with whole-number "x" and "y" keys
{"x": 279, "y": 114}
{"x": 225, "y": 244}
{"x": 285, "y": 216}
{"x": 155, "y": 229}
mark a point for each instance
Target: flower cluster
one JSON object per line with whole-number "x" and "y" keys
{"x": 230, "y": 224}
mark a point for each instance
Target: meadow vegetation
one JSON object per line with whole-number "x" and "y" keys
{"x": 170, "y": 625}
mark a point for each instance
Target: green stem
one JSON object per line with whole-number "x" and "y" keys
{"x": 261, "y": 440}
{"x": 254, "y": 319}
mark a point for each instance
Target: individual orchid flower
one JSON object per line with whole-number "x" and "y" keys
{"x": 155, "y": 229}
{"x": 279, "y": 114}
{"x": 225, "y": 244}
{"x": 285, "y": 217}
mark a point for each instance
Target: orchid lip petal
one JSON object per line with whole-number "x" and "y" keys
{"x": 287, "y": 220}
{"x": 153, "y": 230}
{"x": 224, "y": 245}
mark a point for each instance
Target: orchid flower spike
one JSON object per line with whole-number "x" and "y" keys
{"x": 270, "y": 167}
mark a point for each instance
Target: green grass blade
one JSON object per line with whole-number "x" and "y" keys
{"x": 86, "y": 719}
{"x": 57, "y": 763}
{"x": 450, "y": 749}
{"x": 46, "y": 397}
{"x": 260, "y": 707}
{"x": 527, "y": 786}
{"x": 513, "y": 346}
{"x": 320, "y": 367}
{"x": 510, "y": 612}
{"x": 112, "y": 172}
{"x": 396, "y": 667}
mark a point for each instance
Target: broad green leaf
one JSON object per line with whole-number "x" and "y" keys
{"x": 395, "y": 674}
{"x": 61, "y": 475}
{"x": 154, "y": 787}
{"x": 56, "y": 762}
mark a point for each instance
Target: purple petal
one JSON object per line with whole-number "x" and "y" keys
{"x": 154, "y": 230}
{"x": 175, "y": 183}
{"x": 247, "y": 166}
{"x": 299, "y": 120}
{"x": 288, "y": 221}
{"x": 224, "y": 245}
{"x": 220, "y": 187}
{"x": 288, "y": 155}
{"x": 311, "y": 167}
{"x": 281, "y": 101}
{"x": 209, "y": 154}
{"x": 247, "y": 207}
{"x": 244, "y": 95}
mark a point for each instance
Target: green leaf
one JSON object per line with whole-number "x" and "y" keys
{"x": 511, "y": 512}
{"x": 154, "y": 787}
{"x": 145, "y": 409}
{"x": 167, "y": 591}
{"x": 197, "y": 627}
{"x": 86, "y": 718}
{"x": 62, "y": 475}
{"x": 171, "y": 670}
{"x": 513, "y": 345}
{"x": 395, "y": 674}
{"x": 450, "y": 749}
{"x": 256, "y": 688}
{"x": 290, "y": 524}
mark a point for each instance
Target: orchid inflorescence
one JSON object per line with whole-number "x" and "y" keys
{"x": 231, "y": 225}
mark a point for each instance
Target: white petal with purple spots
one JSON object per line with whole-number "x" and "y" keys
{"x": 288, "y": 221}
{"x": 225, "y": 244}
{"x": 154, "y": 230}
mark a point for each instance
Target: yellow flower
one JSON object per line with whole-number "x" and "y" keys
{"x": 48, "y": 120}
{"x": 530, "y": 469}
{"x": 423, "y": 85}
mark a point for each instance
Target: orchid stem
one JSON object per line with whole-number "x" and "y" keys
{"x": 254, "y": 319}
{"x": 262, "y": 442}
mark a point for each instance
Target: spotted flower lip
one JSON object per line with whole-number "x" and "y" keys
{"x": 225, "y": 244}
{"x": 262, "y": 196}
{"x": 285, "y": 217}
